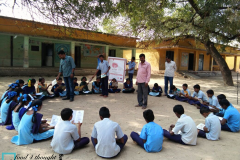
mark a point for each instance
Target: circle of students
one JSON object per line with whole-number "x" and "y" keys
{"x": 19, "y": 111}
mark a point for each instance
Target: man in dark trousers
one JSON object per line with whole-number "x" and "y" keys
{"x": 104, "y": 67}
{"x": 67, "y": 67}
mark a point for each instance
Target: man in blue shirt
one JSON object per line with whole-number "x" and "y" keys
{"x": 67, "y": 67}
{"x": 131, "y": 68}
{"x": 104, "y": 67}
{"x": 151, "y": 137}
{"x": 231, "y": 118}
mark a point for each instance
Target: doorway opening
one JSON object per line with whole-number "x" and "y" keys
{"x": 47, "y": 54}
{"x": 191, "y": 61}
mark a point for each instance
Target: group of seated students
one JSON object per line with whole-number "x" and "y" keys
{"x": 218, "y": 106}
{"x": 20, "y": 112}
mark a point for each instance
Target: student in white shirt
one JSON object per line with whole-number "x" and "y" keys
{"x": 66, "y": 135}
{"x": 170, "y": 68}
{"x": 212, "y": 128}
{"x": 186, "y": 126}
{"x": 103, "y": 136}
{"x": 198, "y": 98}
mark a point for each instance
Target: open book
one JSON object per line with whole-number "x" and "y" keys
{"x": 220, "y": 118}
{"x": 171, "y": 95}
{"x": 77, "y": 116}
{"x": 200, "y": 126}
{"x": 55, "y": 119}
{"x": 39, "y": 94}
{"x": 54, "y": 82}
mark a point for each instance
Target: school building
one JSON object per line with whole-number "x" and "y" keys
{"x": 188, "y": 54}
{"x": 29, "y": 44}
{"x": 33, "y": 44}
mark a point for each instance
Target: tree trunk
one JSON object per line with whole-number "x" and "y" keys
{"x": 226, "y": 73}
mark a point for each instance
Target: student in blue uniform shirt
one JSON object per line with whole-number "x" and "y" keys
{"x": 198, "y": 97}
{"x": 212, "y": 128}
{"x": 212, "y": 100}
{"x": 128, "y": 87}
{"x": 131, "y": 67}
{"x": 156, "y": 91}
{"x": 96, "y": 86}
{"x": 231, "y": 118}
{"x": 32, "y": 128}
{"x": 219, "y": 111}
{"x": 75, "y": 84}
{"x": 104, "y": 67}
{"x": 175, "y": 91}
{"x": 23, "y": 102}
{"x": 29, "y": 88}
{"x": 151, "y": 137}
{"x": 58, "y": 88}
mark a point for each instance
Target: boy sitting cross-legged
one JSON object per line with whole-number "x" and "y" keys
{"x": 151, "y": 137}
{"x": 103, "y": 136}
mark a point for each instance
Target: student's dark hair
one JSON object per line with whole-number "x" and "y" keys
{"x": 36, "y": 103}
{"x": 61, "y": 52}
{"x": 33, "y": 80}
{"x": 101, "y": 56}
{"x": 224, "y": 102}
{"x": 148, "y": 115}
{"x": 22, "y": 102}
{"x": 155, "y": 85}
{"x": 75, "y": 78}
{"x": 196, "y": 86}
{"x": 60, "y": 79}
{"x": 83, "y": 78}
{"x": 12, "y": 94}
{"x": 128, "y": 79}
{"x": 40, "y": 79}
{"x": 66, "y": 113}
{"x": 185, "y": 85}
{"x": 104, "y": 112}
{"x": 98, "y": 77}
{"x": 172, "y": 87}
{"x": 133, "y": 58}
{"x": 210, "y": 92}
{"x": 221, "y": 96}
{"x": 204, "y": 110}
{"x": 142, "y": 55}
{"x": 168, "y": 57}
{"x": 20, "y": 81}
{"x": 178, "y": 109}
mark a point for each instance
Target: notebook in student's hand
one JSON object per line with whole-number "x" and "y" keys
{"x": 31, "y": 97}
{"x": 39, "y": 94}
{"x": 78, "y": 116}
{"x": 55, "y": 119}
{"x": 62, "y": 87}
{"x": 54, "y": 82}
{"x": 171, "y": 95}
{"x": 200, "y": 126}
{"x": 220, "y": 118}
{"x": 179, "y": 132}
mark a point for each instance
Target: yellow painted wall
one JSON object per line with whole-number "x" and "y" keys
{"x": 230, "y": 62}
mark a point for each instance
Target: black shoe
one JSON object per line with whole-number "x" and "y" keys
{"x": 66, "y": 98}
{"x": 71, "y": 99}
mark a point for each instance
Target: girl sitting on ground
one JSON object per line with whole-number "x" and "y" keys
{"x": 84, "y": 86}
{"x": 96, "y": 86}
{"x": 32, "y": 128}
{"x": 113, "y": 86}
{"x": 128, "y": 87}
{"x": 19, "y": 108}
{"x": 6, "y": 108}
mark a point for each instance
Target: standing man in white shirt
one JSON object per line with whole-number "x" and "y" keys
{"x": 186, "y": 125}
{"x": 170, "y": 68}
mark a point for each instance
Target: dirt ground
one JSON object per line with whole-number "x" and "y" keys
{"x": 130, "y": 119}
